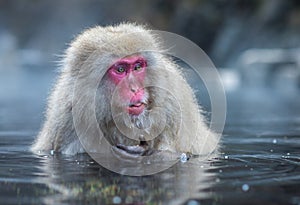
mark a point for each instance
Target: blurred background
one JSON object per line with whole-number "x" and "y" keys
{"x": 253, "y": 43}
{"x": 223, "y": 29}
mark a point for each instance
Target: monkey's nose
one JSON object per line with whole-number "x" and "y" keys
{"x": 134, "y": 90}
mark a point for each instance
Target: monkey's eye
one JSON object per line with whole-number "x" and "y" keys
{"x": 138, "y": 66}
{"x": 120, "y": 69}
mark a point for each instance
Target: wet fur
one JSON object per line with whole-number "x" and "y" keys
{"x": 91, "y": 54}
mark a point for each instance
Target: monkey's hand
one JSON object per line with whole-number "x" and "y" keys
{"x": 136, "y": 149}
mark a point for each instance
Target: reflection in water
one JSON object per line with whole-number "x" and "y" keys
{"x": 79, "y": 179}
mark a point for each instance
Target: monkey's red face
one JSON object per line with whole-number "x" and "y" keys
{"x": 129, "y": 73}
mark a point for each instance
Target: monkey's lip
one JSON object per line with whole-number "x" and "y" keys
{"x": 136, "y": 108}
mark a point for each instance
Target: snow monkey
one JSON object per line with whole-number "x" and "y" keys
{"x": 143, "y": 103}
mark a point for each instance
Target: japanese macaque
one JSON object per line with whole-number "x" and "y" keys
{"x": 143, "y": 104}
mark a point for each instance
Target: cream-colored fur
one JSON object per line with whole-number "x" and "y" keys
{"x": 89, "y": 56}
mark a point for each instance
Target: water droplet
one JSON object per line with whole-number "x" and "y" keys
{"x": 274, "y": 141}
{"x": 226, "y": 157}
{"x": 193, "y": 202}
{"x": 288, "y": 154}
{"x": 52, "y": 152}
{"x": 183, "y": 157}
{"x": 220, "y": 170}
{"x": 245, "y": 187}
{"x": 117, "y": 200}
{"x": 271, "y": 150}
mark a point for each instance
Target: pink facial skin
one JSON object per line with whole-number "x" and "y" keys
{"x": 131, "y": 71}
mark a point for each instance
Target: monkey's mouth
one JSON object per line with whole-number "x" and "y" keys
{"x": 136, "y": 108}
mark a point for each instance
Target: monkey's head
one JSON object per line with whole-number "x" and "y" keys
{"x": 126, "y": 62}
